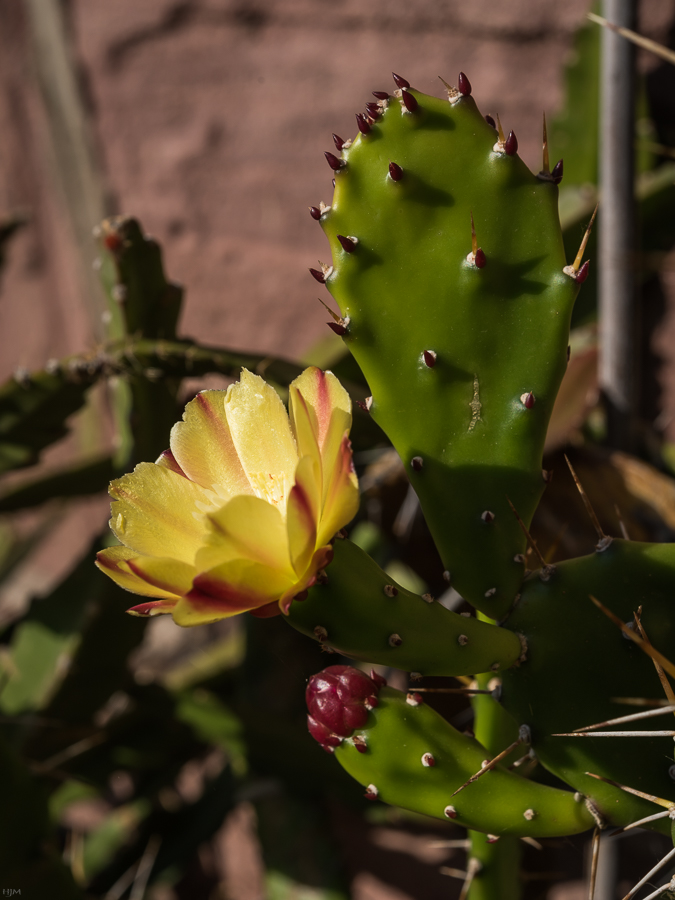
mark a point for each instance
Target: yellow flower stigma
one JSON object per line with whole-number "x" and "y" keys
{"x": 239, "y": 513}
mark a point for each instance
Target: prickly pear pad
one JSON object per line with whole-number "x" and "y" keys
{"x": 464, "y": 362}
{"x": 578, "y": 660}
{"x": 415, "y": 759}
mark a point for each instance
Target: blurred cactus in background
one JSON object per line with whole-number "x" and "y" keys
{"x": 485, "y": 662}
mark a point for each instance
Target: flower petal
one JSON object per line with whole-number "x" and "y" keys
{"x": 153, "y": 608}
{"x": 234, "y": 587}
{"x": 330, "y": 410}
{"x": 342, "y": 498}
{"x": 169, "y": 575}
{"x": 302, "y": 513}
{"x": 203, "y": 446}
{"x": 115, "y": 563}
{"x": 168, "y": 461}
{"x": 156, "y": 513}
{"x": 321, "y": 558}
{"x": 262, "y": 435}
{"x": 246, "y": 528}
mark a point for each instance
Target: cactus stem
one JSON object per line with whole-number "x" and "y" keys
{"x": 648, "y": 876}
{"x": 491, "y": 121}
{"x": 333, "y": 161}
{"x": 528, "y": 400}
{"x": 395, "y": 171}
{"x": 348, "y": 242}
{"x": 511, "y": 144}
{"x": 667, "y": 804}
{"x": 546, "y": 569}
{"x": 399, "y": 81}
{"x": 395, "y": 640}
{"x": 574, "y": 271}
{"x": 409, "y": 101}
{"x": 362, "y": 122}
{"x": 390, "y": 590}
{"x": 371, "y": 793}
{"x": 315, "y": 212}
{"x": 417, "y": 463}
{"x": 603, "y": 540}
{"x": 381, "y": 95}
{"x": 412, "y": 698}
{"x": 464, "y": 85}
{"x": 429, "y": 357}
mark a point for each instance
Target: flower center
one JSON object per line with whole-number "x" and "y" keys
{"x": 271, "y": 488}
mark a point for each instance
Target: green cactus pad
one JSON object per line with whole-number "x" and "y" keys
{"x": 459, "y": 416}
{"x": 578, "y": 660}
{"x": 357, "y": 613}
{"x": 398, "y": 736}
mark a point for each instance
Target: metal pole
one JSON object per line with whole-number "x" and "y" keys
{"x": 617, "y": 308}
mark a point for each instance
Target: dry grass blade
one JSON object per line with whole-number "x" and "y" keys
{"x": 635, "y": 38}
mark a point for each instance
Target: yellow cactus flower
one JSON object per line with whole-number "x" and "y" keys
{"x": 238, "y": 515}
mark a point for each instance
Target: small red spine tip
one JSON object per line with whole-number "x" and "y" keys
{"x": 381, "y": 95}
{"x": 379, "y": 680}
{"x": 373, "y": 110}
{"x": 315, "y": 212}
{"x": 395, "y": 171}
{"x": 480, "y": 259}
{"x": 409, "y": 101}
{"x": 347, "y": 243}
{"x": 417, "y": 463}
{"x": 399, "y": 81}
{"x": 362, "y": 122}
{"x": 491, "y": 121}
{"x": 511, "y": 144}
{"x": 333, "y": 161}
{"x": 429, "y": 358}
{"x": 318, "y": 274}
{"x": 528, "y": 400}
{"x": 339, "y": 143}
{"x": 339, "y": 329}
{"x": 582, "y": 274}
{"x": 361, "y": 403}
{"x": 464, "y": 85}
{"x": 371, "y": 792}
{"x": 557, "y": 172}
